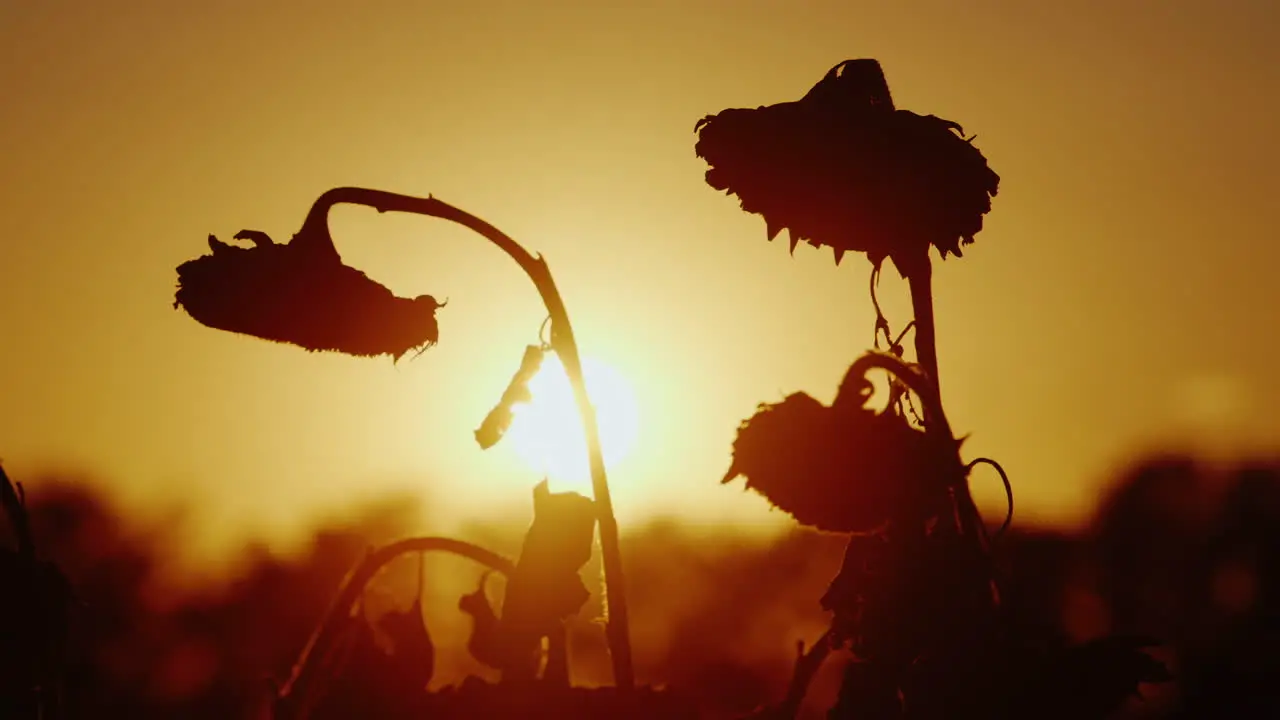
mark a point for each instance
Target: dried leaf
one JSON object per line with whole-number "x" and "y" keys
{"x": 413, "y": 650}
{"x": 483, "y": 642}
{"x": 546, "y": 586}
{"x": 496, "y": 423}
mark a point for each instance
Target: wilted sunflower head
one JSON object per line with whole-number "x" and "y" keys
{"x": 301, "y": 293}
{"x": 838, "y": 468}
{"x": 410, "y": 326}
{"x": 842, "y": 168}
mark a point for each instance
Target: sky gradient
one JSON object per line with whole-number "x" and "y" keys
{"x": 1121, "y": 297}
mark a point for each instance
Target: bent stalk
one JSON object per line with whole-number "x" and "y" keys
{"x": 566, "y": 347}
{"x": 296, "y": 695}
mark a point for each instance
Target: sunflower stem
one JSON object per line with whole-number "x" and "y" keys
{"x": 967, "y": 517}
{"x": 566, "y": 347}
{"x": 920, "y": 281}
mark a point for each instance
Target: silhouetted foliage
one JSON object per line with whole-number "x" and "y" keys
{"x": 301, "y": 293}
{"x": 484, "y": 641}
{"x": 931, "y": 628}
{"x": 1193, "y": 554}
{"x": 329, "y": 675}
{"x": 477, "y": 699}
{"x": 713, "y": 610}
{"x": 546, "y": 587}
{"x": 342, "y": 670}
{"x": 35, "y": 606}
{"x": 499, "y": 419}
{"x": 412, "y": 647}
{"x": 917, "y": 599}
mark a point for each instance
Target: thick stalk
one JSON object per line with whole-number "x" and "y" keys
{"x": 296, "y": 696}
{"x": 566, "y": 347}
{"x": 920, "y": 279}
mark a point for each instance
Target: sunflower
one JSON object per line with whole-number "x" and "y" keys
{"x": 839, "y": 468}
{"x": 301, "y": 293}
{"x": 843, "y": 168}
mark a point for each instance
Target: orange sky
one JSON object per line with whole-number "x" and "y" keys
{"x": 1120, "y": 293}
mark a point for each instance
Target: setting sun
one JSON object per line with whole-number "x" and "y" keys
{"x": 547, "y": 432}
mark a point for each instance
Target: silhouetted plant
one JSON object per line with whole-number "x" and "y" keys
{"x": 917, "y": 599}
{"x": 301, "y": 293}
{"x": 858, "y": 464}
{"x": 328, "y": 655}
{"x": 546, "y": 588}
{"x": 842, "y": 168}
{"x": 1191, "y": 552}
{"x": 35, "y": 605}
{"x": 342, "y": 671}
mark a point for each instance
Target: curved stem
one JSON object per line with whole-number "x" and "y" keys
{"x": 295, "y": 695}
{"x": 903, "y": 373}
{"x": 566, "y": 347}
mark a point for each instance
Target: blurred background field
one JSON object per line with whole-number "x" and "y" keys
{"x": 1182, "y": 551}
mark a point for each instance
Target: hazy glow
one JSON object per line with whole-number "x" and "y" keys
{"x": 1131, "y": 245}
{"x": 547, "y": 433}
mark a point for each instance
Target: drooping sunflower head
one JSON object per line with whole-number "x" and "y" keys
{"x": 843, "y": 168}
{"x": 301, "y": 293}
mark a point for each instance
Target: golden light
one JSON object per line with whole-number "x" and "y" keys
{"x": 547, "y": 432}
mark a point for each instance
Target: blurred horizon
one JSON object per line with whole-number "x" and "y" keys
{"x": 1116, "y": 303}
{"x": 1177, "y": 551}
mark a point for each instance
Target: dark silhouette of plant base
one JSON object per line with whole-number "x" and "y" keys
{"x": 475, "y": 698}
{"x": 342, "y": 671}
{"x": 35, "y": 614}
{"x": 343, "y": 640}
{"x": 917, "y": 600}
{"x": 301, "y": 293}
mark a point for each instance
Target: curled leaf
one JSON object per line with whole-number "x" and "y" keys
{"x": 842, "y": 168}
{"x": 499, "y": 419}
{"x": 414, "y": 652}
{"x": 483, "y": 642}
{"x": 838, "y": 468}
{"x": 301, "y": 293}
{"x": 546, "y": 586}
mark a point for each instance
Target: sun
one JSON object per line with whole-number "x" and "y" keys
{"x": 546, "y": 433}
